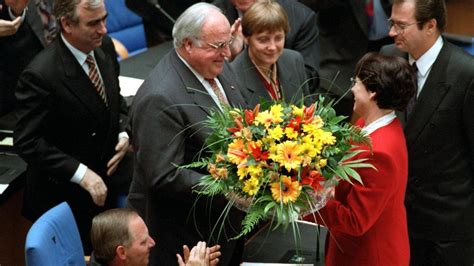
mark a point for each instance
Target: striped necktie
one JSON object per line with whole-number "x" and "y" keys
{"x": 95, "y": 78}
{"x": 217, "y": 91}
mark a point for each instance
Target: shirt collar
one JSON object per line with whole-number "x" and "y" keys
{"x": 425, "y": 62}
{"x": 382, "y": 121}
{"x": 198, "y": 76}
{"x": 78, "y": 54}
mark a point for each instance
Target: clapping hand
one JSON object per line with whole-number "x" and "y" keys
{"x": 200, "y": 255}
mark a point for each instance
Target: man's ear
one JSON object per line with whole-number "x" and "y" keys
{"x": 188, "y": 45}
{"x": 66, "y": 25}
{"x": 431, "y": 26}
{"x": 120, "y": 252}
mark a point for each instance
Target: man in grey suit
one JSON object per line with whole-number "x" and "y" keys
{"x": 167, "y": 131}
{"x": 439, "y": 129}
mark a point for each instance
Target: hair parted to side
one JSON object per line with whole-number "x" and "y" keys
{"x": 109, "y": 230}
{"x": 189, "y": 24}
{"x": 265, "y": 15}
{"x": 429, "y": 9}
{"x": 391, "y": 78}
{"x": 68, "y": 9}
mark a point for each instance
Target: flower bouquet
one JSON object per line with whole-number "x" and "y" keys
{"x": 278, "y": 161}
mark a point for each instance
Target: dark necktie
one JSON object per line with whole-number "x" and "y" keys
{"x": 412, "y": 101}
{"x": 217, "y": 91}
{"x": 95, "y": 78}
{"x": 48, "y": 19}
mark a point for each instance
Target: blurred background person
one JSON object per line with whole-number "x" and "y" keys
{"x": 302, "y": 37}
{"x": 35, "y": 27}
{"x": 159, "y": 17}
{"x": 72, "y": 118}
{"x": 265, "y": 69}
{"x": 167, "y": 130}
{"x": 371, "y": 216}
{"x": 347, "y": 30}
{"x": 440, "y": 135}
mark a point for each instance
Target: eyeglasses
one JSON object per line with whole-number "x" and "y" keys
{"x": 353, "y": 81}
{"x": 221, "y": 45}
{"x": 399, "y": 26}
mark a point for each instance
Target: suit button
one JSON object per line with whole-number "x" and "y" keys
{"x": 93, "y": 134}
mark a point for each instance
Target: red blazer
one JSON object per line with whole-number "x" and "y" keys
{"x": 367, "y": 223}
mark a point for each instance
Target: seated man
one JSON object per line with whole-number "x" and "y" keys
{"x": 120, "y": 237}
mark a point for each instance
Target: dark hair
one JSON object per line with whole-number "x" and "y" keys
{"x": 68, "y": 9}
{"x": 429, "y": 9}
{"x": 391, "y": 78}
{"x": 265, "y": 16}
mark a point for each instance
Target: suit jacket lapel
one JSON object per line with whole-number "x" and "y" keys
{"x": 35, "y": 22}
{"x": 78, "y": 83}
{"x": 433, "y": 92}
{"x": 251, "y": 80}
{"x": 289, "y": 86}
{"x": 230, "y": 88}
{"x": 194, "y": 88}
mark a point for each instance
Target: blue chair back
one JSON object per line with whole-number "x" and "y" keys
{"x": 125, "y": 26}
{"x": 54, "y": 239}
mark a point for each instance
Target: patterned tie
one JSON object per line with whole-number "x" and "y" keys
{"x": 217, "y": 91}
{"x": 95, "y": 78}
{"x": 412, "y": 101}
{"x": 48, "y": 19}
{"x": 369, "y": 10}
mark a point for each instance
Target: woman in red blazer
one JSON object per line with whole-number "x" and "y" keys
{"x": 367, "y": 223}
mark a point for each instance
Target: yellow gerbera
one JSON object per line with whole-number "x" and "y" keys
{"x": 291, "y": 133}
{"x": 288, "y": 155}
{"x": 277, "y": 112}
{"x": 265, "y": 118}
{"x": 276, "y": 133}
{"x": 251, "y": 186}
{"x": 285, "y": 190}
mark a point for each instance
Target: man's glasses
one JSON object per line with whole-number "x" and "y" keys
{"x": 221, "y": 45}
{"x": 399, "y": 26}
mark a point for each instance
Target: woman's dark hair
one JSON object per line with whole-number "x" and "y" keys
{"x": 391, "y": 78}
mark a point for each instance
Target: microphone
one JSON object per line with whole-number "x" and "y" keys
{"x": 158, "y": 6}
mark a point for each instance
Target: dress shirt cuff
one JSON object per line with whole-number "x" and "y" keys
{"x": 79, "y": 174}
{"x": 13, "y": 17}
{"x": 123, "y": 134}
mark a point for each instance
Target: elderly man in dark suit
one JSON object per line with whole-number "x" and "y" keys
{"x": 439, "y": 129}
{"x": 167, "y": 130}
{"x": 71, "y": 117}
{"x": 20, "y": 46}
{"x": 303, "y": 34}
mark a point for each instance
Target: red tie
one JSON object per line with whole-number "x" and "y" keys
{"x": 217, "y": 91}
{"x": 95, "y": 78}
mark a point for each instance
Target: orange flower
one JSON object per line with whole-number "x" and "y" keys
{"x": 285, "y": 190}
{"x": 236, "y": 151}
